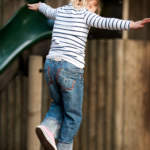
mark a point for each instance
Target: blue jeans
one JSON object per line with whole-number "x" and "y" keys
{"x": 65, "y": 82}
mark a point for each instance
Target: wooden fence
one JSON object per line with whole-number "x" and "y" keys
{"x": 116, "y": 100}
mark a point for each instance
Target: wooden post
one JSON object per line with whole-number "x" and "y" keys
{"x": 125, "y": 16}
{"x": 35, "y": 100}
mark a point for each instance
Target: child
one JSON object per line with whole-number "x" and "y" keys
{"x": 64, "y": 66}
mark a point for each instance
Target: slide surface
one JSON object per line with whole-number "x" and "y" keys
{"x": 23, "y": 29}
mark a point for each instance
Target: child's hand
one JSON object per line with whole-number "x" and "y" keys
{"x": 34, "y": 6}
{"x": 139, "y": 24}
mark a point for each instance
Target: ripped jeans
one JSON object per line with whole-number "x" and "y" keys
{"x": 65, "y": 82}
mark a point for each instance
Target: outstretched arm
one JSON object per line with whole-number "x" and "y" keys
{"x": 139, "y": 24}
{"x": 45, "y": 9}
{"x": 97, "y": 21}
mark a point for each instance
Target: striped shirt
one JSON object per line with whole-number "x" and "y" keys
{"x": 71, "y": 29}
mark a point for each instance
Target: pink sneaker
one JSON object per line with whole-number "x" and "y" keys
{"x": 46, "y": 138}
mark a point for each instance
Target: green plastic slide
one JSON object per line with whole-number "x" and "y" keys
{"x": 23, "y": 29}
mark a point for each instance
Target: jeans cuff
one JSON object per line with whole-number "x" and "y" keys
{"x": 64, "y": 146}
{"x": 52, "y": 125}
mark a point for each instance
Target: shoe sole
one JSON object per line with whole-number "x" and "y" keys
{"x": 43, "y": 140}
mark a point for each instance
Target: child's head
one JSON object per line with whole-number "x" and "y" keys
{"x": 93, "y": 5}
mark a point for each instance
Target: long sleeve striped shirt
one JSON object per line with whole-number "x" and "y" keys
{"x": 71, "y": 28}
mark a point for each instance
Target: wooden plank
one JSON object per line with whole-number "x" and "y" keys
{"x": 84, "y": 128}
{"x": 92, "y": 94}
{"x": 10, "y": 115}
{"x": 146, "y": 95}
{"x": 14, "y": 108}
{"x": 100, "y": 96}
{"x": 119, "y": 96}
{"x": 18, "y": 113}
{"x": 88, "y": 95}
{"x": 108, "y": 100}
{"x": 46, "y": 99}
{"x": 6, "y": 119}
{"x": 1, "y": 13}
{"x": 3, "y": 120}
{"x": 79, "y": 138}
{"x": 35, "y": 100}
{"x": 24, "y": 112}
{"x": 105, "y": 95}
